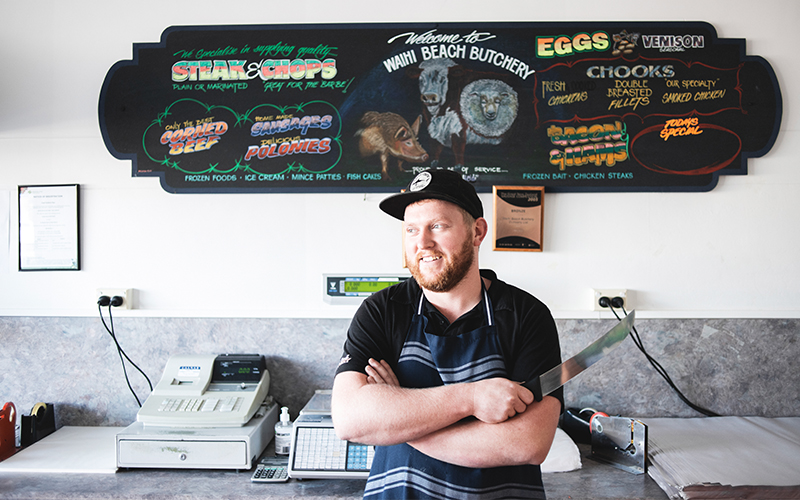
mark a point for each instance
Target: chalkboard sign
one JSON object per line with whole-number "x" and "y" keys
{"x": 633, "y": 106}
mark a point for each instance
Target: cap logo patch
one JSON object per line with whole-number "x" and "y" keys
{"x": 420, "y": 182}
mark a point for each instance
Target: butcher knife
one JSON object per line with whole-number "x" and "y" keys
{"x": 554, "y": 378}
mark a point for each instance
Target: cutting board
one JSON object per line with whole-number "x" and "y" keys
{"x": 68, "y": 450}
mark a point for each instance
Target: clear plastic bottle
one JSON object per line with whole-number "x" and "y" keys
{"x": 283, "y": 433}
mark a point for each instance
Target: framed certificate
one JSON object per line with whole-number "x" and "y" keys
{"x": 518, "y": 218}
{"x": 49, "y": 230}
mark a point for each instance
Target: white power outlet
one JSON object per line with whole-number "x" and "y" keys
{"x": 623, "y": 294}
{"x": 125, "y": 293}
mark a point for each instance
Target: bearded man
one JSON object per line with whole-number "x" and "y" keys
{"x": 432, "y": 367}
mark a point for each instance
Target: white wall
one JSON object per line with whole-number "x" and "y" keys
{"x": 731, "y": 252}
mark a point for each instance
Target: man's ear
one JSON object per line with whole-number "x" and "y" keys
{"x": 481, "y": 230}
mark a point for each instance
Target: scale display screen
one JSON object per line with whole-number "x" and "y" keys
{"x": 353, "y": 289}
{"x": 368, "y": 287}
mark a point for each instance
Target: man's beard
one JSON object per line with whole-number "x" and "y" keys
{"x": 452, "y": 274}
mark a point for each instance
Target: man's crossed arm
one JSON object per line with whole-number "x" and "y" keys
{"x": 508, "y": 427}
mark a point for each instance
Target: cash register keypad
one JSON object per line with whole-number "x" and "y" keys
{"x": 207, "y": 404}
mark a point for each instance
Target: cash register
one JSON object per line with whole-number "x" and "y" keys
{"x": 207, "y": 412}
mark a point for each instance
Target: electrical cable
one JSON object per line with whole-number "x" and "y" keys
{"x": 637, "y": 340}
{"x": 114, "y": 336}
{"x": 122, "y": 361}
{"x": 120, "y": 351}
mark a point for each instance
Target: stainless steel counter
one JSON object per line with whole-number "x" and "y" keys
{"x": 594, "y": 480}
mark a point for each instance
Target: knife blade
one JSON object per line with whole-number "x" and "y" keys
{"x": 555, "y": 377}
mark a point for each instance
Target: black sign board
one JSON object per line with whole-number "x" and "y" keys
{"x": 596, "y": 106}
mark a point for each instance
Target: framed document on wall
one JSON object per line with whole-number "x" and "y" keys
{"x": 49, "y": 228}
{"x": 518, "y": 218}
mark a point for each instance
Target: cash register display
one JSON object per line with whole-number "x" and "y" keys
{"x": 318, "y": 449}
{"x": 238, "y": 368}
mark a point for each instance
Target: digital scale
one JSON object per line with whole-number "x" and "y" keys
{"x": 352, "y": 289}
{"x": 317, "y": 453}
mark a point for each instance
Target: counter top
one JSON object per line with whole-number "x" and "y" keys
{"x": 594, "y": 480}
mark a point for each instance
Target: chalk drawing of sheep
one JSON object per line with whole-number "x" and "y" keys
{"x": 489, "y": 108}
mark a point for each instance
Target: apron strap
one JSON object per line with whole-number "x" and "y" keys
{"x": 489, "y": 310}
{"x": 486, "y": 301}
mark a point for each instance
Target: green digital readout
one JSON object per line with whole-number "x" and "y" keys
{"x": 367, "y": 286}
{"x": 239, "y": 368}
{"x": 352, "y": 289}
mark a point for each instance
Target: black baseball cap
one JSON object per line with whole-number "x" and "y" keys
{"x": 439, "y": 184}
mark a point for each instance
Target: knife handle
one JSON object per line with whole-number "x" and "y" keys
{"x": 535, "y": 386}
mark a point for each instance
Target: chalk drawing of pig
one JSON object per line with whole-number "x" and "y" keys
{"x": 390, "y": 136}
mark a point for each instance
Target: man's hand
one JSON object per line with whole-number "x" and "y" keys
{"x": 496, "y": 400}
{"x": 379, "y": 372}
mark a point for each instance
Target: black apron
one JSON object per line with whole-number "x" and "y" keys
{"x": 429, "y": 360}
